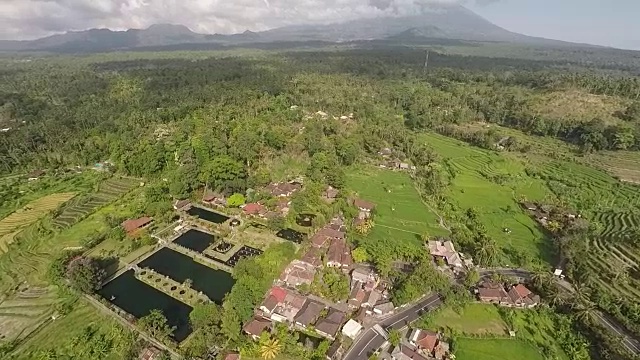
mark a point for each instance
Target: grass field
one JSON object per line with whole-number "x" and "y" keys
{"x": 492, "y": 184}
{"x": 400, "y": 213}
{"x": 29, "y": 214}
{"x": 476, "y": 319}
{"x": 495, "y": 349}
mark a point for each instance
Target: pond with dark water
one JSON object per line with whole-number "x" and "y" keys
{"x": 179, "y": 267}
{"x": 138, "y": 299}
{"x": 307, "y": 340}
{"x": 291, "y": 235}
{"x": 244, "y": 252}
{"x": 195, "y": 240}
{"x": 207, "y": 215}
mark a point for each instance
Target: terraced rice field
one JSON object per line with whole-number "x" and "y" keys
{"x": 492, "y": 184}
{"x": 79, "y": 208}
{"x": 31, "y": 212}
{"x": 25, "y": 311}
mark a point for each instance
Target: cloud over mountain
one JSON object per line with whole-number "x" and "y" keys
{"x": 24, "y": 19}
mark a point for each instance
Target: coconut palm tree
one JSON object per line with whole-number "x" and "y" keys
{"x": 270, "y": 348}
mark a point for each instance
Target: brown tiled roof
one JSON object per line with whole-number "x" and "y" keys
{"x": 150, "y": 353}
{"x": 270, "y": 303}
{"x": 427, "y": 340}
{"x": 331, "y": 324}
{"x": 134, "y": 224}
{"x": 363, "y": 204}
{"x": 253, "y": 208}
{"x": 492, "y": 294}
{"x": 329, "y": 232}
{"x": 318, "y": 240}
{"x": 256, "y": 326}
{"x": 232, "y": 357}
{"x": 309, "y": 313}
{"x": 312, "y": 256}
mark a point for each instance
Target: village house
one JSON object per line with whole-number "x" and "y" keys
{"x": 298, "y": 273}
{"x": 335, "y": 351}
{"x": 312, "y": 257}
{"x": 330, "y": 194}
{"x": 287, "y": 310}
{"x": 256, "y": 327}
{"x": 366, "y": 277}
{"x": 254, "y": 209}
{"x": 324, "y": 235}
{"x": 446, "y": 251}
{"x": 283, "y": 206}
{"x": 214, "y": 199}
{"x": 275, "y": 297}
{"x": 357, "y": 295}
{"x": 351, "y": 329}
{"x": 132, "y": 225}
{"x": 364, "y": 206}
{"x": 309, "y": 313}
{"x": 404, "y": 352}
{"x": 284, "y": 189}
{"x": 339, "y": 254}
{"x": 181, "y": 204}
{"x": 424, "y": 340}
{"x": 330, "y": 324}
{"x": 385, "y": 152}
{"x": 516, "y": 296}
{"x": 384, "y": 308}
{"x": 520, "y": 296}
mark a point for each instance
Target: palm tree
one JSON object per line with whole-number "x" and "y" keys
{"x": 270, "y": 348}
{"x": 487, "y": 251}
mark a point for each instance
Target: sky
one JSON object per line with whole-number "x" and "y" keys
{"x": 602, "y": 22}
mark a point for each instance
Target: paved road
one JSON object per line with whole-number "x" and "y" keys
{"x": 629, "y": 340}
{"x": 370, "y": 340}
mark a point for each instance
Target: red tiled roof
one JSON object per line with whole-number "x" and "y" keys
{"x": 522, "y": 290}
{"x": 253, "y": 208}
{"x": 134, "y": 224}
{"x": 279, "y": 293}
{"x": 149, "y": 353}
{"x": 427, "y": 340}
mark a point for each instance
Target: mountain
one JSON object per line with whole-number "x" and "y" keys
{"x": 439, "y": 22}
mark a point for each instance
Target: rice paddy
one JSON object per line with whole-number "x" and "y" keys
{"x": 79, "y": 208}
{"x": 25, "y": 311}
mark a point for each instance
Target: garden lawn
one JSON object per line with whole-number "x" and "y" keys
{"x": 400, "y": 214}
{"x": 495, "y": 349}
{"x": 477, "y": 319}
{"x": 492, "y": 184}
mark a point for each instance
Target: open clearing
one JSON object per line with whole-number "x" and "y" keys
{"x": 476, "y": 319}
{"x": 495, "y": 349}
{"x": 492, "y": 184}
{"x": 400, "y": 213}
{"x": 31, "y": 212}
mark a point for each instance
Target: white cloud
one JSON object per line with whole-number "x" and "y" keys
{"x": 24, "y": 19}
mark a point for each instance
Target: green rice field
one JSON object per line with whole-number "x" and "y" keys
{"x": 493, "y": 184}
{"x": 495, "y": 349}
{"x": 400, "y": 213}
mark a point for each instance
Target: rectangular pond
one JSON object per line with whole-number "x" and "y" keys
{"x": 195, "y": 240}
{"x": 291, "y": 235}
{"x": 179, "y": 267}
{"x": 138, "y": 299}
{"x": 207, "y": 215}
